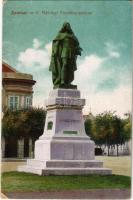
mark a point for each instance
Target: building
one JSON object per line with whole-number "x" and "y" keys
{"x": 17, "y": 93}
{"x": 17, "y": 88}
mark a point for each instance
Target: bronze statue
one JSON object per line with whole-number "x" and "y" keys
{"x": 65, "y": 49}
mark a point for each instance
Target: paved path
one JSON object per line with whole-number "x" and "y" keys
{"x": 79, "y": 194}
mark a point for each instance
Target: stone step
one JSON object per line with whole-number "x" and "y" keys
{"x": 64, "y": 163}
{"x": 73, "y": 164}
{"x": 29, "y": 169}
{"x": 76, "y": 171}
{"x": 64, "y": 171}
{"x": 36, "y": 163}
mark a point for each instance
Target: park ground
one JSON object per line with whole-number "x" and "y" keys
{"x": 120, "y": 165}
{"x": 118, "y": 187}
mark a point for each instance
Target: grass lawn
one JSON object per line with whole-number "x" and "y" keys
{"x": 25, "y": 182}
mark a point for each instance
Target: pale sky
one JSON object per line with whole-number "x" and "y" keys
{"x": 104, "y": 33}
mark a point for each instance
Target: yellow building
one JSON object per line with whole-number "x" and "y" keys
{"x": 17, "y": 93}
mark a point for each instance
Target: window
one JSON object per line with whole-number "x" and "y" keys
{"x": 28, "y": 101}
{"x": 13, "y": 102}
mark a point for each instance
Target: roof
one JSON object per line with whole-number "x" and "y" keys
{"x": 8, "y": 68}
{"x": 11, "y": 75}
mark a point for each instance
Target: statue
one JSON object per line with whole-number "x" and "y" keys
{"x": 65, "y": 49}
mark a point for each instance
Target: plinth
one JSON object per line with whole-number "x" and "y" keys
{"x": 64, "y": 148}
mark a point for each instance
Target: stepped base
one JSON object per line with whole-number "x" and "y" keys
{"x": 76, "y": 171}
{"x": 55, "y": 167}
{"x": 64, "y": 148}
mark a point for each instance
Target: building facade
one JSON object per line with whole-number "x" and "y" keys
{"x": 17, "y": 94}
{"x": 17, "y": 88}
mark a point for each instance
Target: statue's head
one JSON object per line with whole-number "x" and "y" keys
{"x": 66, "y": 28}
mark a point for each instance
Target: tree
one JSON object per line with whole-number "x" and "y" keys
{"x": 88, "y": 127}
{"x": 35, "y": 122}
{"x": 24, "y": 123}
{"x": 127, "y": 127}
{"x": 109, "y": 129}
{"x": 102, "y": 129}
{"x": 117, "y": 132}
{"x": 9, "y": 124}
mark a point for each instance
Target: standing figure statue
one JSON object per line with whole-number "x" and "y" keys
{"x": 65, "y": 49}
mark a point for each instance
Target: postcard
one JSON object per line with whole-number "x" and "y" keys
{"x": 66, "y": 98}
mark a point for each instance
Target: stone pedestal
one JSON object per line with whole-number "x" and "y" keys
{"x": 64, "y": 148}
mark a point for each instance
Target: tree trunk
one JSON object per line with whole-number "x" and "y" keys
{"x": 108, "y": 150}
{"x": 11, "y": 147}
{"x": 117, "y": 150}
{"x": 33, "y": 144}
{"x": 26, "y": 147}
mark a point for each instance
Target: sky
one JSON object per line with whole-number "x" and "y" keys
{"x": 103, "y": 29}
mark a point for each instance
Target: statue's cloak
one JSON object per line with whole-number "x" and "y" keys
{"x": 59, "y": 51}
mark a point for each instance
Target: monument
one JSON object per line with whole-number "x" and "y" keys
{"x": 64, "y": 148}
